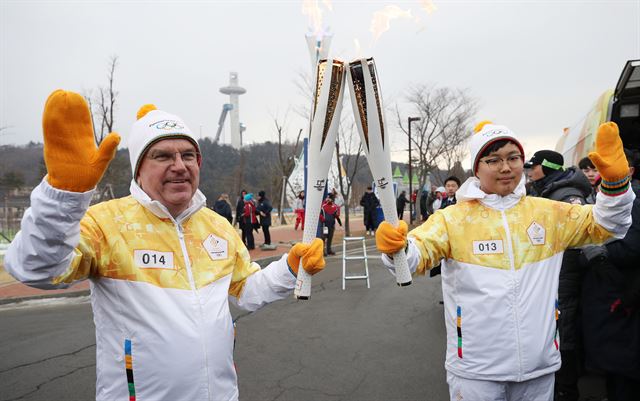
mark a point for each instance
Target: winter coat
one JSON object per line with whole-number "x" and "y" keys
{"x": 401, "y": 202}
{"x": 369, "y": 202}
{"x": 611, "y": 302}
{"x": 249, "y": 214}
{"x": 502, "y": 257}
{"x": 570, "y": 185}
{"x": 239, "y": 210}
{"x": 329, "y": 213}
{"x": 160, "y": 288}
{"x": 223, "y": 208}
{"x": 264, "y": 206}
{"x": 424, "y": 209}
{"x": 448, "y": 201}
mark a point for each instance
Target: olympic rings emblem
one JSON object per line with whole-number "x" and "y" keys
{"x": 167, "y": 125}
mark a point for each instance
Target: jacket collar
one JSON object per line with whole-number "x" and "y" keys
{"x": 158, "y": 209}
{"x": 470, "y": 190}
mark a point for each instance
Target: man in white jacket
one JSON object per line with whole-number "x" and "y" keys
{"x": 162, "y": 266}
{"x": 502, "y": 253}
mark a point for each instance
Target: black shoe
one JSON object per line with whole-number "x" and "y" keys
{"x": 331, "y": 253}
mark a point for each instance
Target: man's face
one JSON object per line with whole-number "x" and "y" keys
{"x": 591, "y": 173}
{"x": 503, "y": 178}
{"x": 451, "y": 187}
{"x": 167, "y": 177}
{"x": 535, "y": 173}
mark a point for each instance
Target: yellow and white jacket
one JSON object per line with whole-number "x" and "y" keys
{"x": 159, "y": 288}
{"x": 501, "y": 262}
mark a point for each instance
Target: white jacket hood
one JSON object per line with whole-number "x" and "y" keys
{"x": 470, "y": 190}
{"x": 157, "y": 208}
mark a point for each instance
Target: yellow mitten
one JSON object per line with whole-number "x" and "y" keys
{"x": 311, "y": 254}
{"x": 390, "y": 239}
{"x": 610, "y": 160}
{"x": 74, "y": 163}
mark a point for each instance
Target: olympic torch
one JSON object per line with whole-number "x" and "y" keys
{"x": 322, "y": 139}
{"x": 366, "y": 101}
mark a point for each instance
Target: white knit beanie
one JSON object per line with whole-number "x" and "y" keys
{"x": 487, "y": 133}
{"x": 152, "y": 126}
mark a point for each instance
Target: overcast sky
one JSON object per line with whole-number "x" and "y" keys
{"x": 535, "y": 66}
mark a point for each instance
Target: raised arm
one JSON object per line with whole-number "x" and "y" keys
{"x": 49, "y": 252}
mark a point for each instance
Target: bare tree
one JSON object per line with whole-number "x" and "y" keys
{"x": 439, "y": 137}
{"x": 103, "y": 104}
{"x": 349, "y": 153}
{"x": 286, "y": 160}
{"x": 305, "y": 84}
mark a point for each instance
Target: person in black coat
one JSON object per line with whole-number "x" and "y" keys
{"x": 239, "y": 212}
{"x": 400, "y": 204}
{"x": 264, "y": 213}
{"x": 369, "y": 203}
{"x": 223, "y": 207}
{"x": 611, "y": 305}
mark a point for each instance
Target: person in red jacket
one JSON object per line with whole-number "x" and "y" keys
{"x": 329, "y": 214}
{"x": 249, "y": 220}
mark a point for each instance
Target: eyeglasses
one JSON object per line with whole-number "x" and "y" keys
{"x": 189, "y": 157}
{"x": 496, "y": 163}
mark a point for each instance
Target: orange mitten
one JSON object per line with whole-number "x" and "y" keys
{"x": 74, "y": 163}
{"x": 390, "y": 239}
{"x": 610, "y": 160}
{"x": 311, "y": 254}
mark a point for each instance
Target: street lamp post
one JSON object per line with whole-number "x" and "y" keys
{"x": 411, "y": 119}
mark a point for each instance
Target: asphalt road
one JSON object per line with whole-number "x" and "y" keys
{"x": 383, "y": 343}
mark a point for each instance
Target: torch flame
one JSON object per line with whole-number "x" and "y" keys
{"x": 428, "y": 6}
{"x": 312, "y": 10}
{"x": 381, "y": 19}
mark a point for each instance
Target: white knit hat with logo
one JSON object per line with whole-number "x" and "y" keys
{"x": 487, "y": 133}
{"x": 152, "y": 126}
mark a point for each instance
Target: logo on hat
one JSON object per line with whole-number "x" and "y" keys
{"x": 167, "y": 125}
{"x": 494, "y": 132}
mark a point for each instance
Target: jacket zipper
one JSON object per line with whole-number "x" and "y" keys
{"x": 515, "y": 297}
{"x": 192, "y": 283}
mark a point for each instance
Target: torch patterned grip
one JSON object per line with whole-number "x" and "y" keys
{"x": 387, "y": 201}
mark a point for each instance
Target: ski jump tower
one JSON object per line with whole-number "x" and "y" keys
{"x": 234, "y": 91}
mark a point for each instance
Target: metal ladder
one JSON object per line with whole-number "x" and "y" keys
{"x": 345, "y": 258}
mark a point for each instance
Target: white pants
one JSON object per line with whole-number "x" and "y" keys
{"x": 538, "y": 389}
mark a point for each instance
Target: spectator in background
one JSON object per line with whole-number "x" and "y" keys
{"x": 611, "y": 305}
{"x": 337, "y": 198}
{"x": 414, "y": 199}
{"x": 223, "y": 207}
{"x": 437, "y": 197}
{"x": 424, "y": 203}
{"x": 240, "y": 210}
{"x": 451, "y": 185}
{"x": 249, "y": 221}
{"x": 329, "y": 214}
{"x": 299, "y": 210}
{"x": 369, "y": 203}
{"x": 591, "y": 172}
{"x": 400, "y": 203}
{"x": 552, "y": 181}
{"x": 264, "y": 209}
